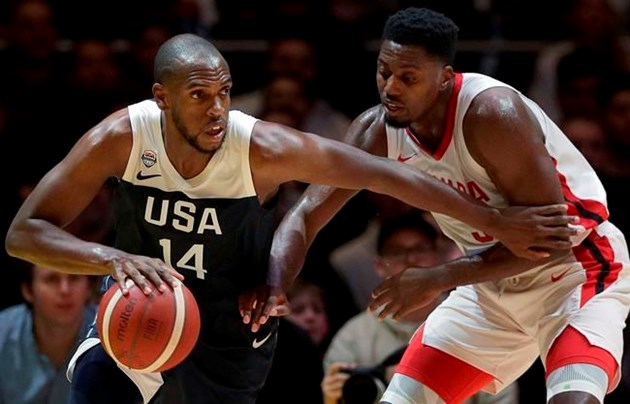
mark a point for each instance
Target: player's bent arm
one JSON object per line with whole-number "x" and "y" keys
{"x": 299, "y": 227}
{"x": 493, "y": 264}
{"x": 317, "y": 206}
{"x": 504, "y": 137}
{"x": 414, "y": 288}
{"x": 36, "y": 233}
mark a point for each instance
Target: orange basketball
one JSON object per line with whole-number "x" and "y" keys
{"x": 148, "y": 333}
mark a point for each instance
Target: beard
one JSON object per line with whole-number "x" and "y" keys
{"x": 396, "y": 123}
{"x": 190, "y": 138}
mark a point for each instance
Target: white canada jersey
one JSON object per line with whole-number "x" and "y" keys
{"x": 453, "y": 164}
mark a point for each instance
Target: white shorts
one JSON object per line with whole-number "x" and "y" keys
{"x": 502, "y": 327}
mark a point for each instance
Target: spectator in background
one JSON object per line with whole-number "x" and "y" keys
{"x": 297, "y": 58}
{"x": 578, "y": 76}
{"x": 614, "y": 98}
{"x": 354, "y": 260}
{"x": 94, "y": 86}
{"x": 308, "y": 310}
{"x": 138, "y": 61}
{"x": 32, "y": 68}
{"x": 592, "y": 24}
{"x": 302, "y": 338}
{"x": 364, "y": 341}
{"x": 38, "y": 336}
{"x": 587, "y": 134}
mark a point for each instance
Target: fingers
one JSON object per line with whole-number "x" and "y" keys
{"x": 122, "y": 284}
{"x": 280, "y": 310}
{"x": 245, "y": 302}
{"x": 555, "y": 209}
{"x": 385, "y": 304}
{"x": 534, "y": 254}
{"x": 137, "y": 277}
{"x": 175, "y": 274}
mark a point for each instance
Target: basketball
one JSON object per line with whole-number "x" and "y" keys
{"x": 148, "y": 333}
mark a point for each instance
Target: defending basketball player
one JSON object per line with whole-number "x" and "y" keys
{"x": 484, "y": 137}
{"x": 195, "y": 197}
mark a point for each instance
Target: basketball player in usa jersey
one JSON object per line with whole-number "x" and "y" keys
{"x": 486, "y": 139}
{"x": 195, "y": 202}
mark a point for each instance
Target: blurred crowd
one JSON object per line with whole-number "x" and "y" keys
{"x": 308, "y": 64}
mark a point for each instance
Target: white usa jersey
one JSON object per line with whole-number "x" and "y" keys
{"x": 212, "y": 228}
{"x": 453, "y": 164}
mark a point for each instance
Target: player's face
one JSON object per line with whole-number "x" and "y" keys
{"x": 200, "y": 112}
{"x": 408, "y": 81}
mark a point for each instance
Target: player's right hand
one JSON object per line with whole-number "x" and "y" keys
{"x": 146, "y": 272}
{"x": 533, "y": 232}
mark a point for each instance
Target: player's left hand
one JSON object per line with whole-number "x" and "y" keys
{"x": 406, "y": 292}
{"x": 258, "y": 304}
{"x": 533, "y": 232}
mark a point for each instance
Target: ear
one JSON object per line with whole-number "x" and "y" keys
{"x": 27, "y": 292}
{"x": 159, "y": 93}
{"x": 447, "y": 77}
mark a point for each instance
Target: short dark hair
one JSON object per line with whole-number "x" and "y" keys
{"x": 411, "y": 220}
{"x": 433, "y": 31}
{"x": 183, "y": 46}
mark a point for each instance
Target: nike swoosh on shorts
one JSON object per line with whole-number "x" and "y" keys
{"x": 257, "y": 344}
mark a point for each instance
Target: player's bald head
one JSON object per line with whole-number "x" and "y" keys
{"x": 182, "y": 52}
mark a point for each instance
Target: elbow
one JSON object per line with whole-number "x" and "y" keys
{"x": 11, "y": 244}
{"x": 14, "y": 242}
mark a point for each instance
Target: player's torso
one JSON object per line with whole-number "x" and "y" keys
{"x": 211, "y": 228}
{"x": 453, "y": 164}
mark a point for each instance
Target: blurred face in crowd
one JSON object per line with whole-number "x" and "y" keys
{"x": 409, "y": 247}
{"x": 57, "y": 299}
{"x": 588, "y": 136}
{"x": 617, "y": 118}
{"x": 308, "y": 310}
{"x": 405, "y": 248}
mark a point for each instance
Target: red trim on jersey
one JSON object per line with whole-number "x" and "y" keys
{"x": 590, "y": 212}
{"x": 595, "y": 253}
{"x": 572, "y": 347}
{"x": 598, "y": 260}
{"x": 452, "y": 379}
{"x": 450, "y": 122}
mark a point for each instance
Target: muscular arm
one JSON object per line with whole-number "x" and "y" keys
{"x": 507, "y": 141}
{"x": 37, "y": 232}
{"x": 317, "y": 161}
{"x": 415, "y": 288}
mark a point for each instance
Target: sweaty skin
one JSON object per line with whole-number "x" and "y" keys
{"x": 192, "y": 90}
{"x": 502, "y": 136}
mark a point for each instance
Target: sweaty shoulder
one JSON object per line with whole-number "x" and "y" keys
{"x": 109, "y": 142}
{"x": 485, "y": 98}
{"x": 367, "y": 131}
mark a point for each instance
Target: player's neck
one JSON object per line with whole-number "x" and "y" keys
{"x": 430, "y": 129}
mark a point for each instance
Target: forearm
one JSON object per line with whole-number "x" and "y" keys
{"x": 45, "y": 244}
{"x": 493, "y": 264}
{"x": 288, "y": 250}
{"x": 429, "y": 193}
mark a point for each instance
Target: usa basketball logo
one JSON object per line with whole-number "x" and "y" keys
{"x": 149, "y": 158}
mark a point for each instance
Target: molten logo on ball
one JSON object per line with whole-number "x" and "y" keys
{"x": 148, "y": 333}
